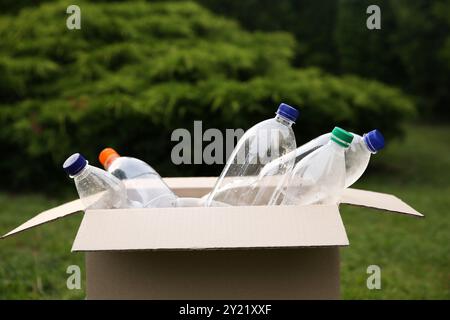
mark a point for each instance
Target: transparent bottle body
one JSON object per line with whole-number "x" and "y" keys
{"x": 143, "y": 183}
{"x": 259, "y": 145}
{"x": 357, "y": 158}
{"x": 318, "y": 178}
{"x": 98, "y": 189}
{"x": 273, "y": 177}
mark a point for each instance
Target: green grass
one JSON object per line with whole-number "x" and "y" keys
{"x": 33, "y": 264}
{"x": 413, "y": 253}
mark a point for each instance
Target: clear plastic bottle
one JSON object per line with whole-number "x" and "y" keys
{"x": 259, "y": 145}
{"x": 96, "y": 188}
{"x": 272, "y": 178}
{"x": 319, "y": 177}
{"x": 357, "y": 156}
{"x": 143, "y": 183}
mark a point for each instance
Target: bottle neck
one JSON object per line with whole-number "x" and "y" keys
{"x": 284, "y": 120}
{"x": 82, "y": 173}
{"x": 110, "y": 160}
{"x": 365, "y": 141}
{"x": 338, "y": 144}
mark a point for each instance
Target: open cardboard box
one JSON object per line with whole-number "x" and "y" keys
{"x": 260, "y": 252}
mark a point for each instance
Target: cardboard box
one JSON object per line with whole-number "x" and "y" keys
{"x": 279, "y": 252}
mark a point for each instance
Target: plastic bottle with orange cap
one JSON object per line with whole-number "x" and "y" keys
{"x": 143, "y": 183}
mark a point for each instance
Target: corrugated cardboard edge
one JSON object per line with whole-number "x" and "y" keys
{"x": 53, "y": 214}
{"x": 214, "y": 248}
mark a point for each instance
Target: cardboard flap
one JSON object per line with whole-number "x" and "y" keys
{"x": 210, "y": 228}
{"x": 377, "y": 200}
{"x": 49, "y": 215}
{"x": 199, "y": 186}
{"x": 191, "y": 187}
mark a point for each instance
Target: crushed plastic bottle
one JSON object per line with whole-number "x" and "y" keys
{"x": 357, "y": 157}
{"x": 259, "y": 145}
{"x": 143, "y": 183}
{"x": 273, "y": 179}
{"x": 96, "y": 188}
{"x": 319, "y": 177}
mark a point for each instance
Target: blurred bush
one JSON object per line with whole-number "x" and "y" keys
{"x": 408, "y": 51}
{"x": 137, "y": 71}
{"x": 411, "y": 50}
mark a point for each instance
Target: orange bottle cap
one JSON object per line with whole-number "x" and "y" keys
{"x": 107, "y": 155}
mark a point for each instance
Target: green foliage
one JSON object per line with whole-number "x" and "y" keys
{"x": 135, "y": 72}
{"x": 312, "y": 22}
{"x": 411, "y": 51}
{"x": 423, "y": 47}
{"x": 370, "y": 53}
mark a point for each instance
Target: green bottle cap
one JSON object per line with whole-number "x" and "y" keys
{"x": 341, "y": 137}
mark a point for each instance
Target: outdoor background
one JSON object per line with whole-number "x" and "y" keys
{"x": 138, "y": 70}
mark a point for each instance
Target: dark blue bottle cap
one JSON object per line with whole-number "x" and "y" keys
{"x": 374, "y": 140}
{"x": 288, "y": 112}
{"x": 74, "y": 164}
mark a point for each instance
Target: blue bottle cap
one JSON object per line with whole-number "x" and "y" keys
{"x": 288, "y": 112}
{"x": 74, "y": 164}
{"x": 374, "y": 140}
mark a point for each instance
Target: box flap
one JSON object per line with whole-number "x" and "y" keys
{"x": 55, "y": 213}
{"x": 210, "y": 228}
{"x": 191, "y": 187}
{"x": 199, "y": 186}
{"x": 377, "y": 200}
{"x": 49, "y": 215}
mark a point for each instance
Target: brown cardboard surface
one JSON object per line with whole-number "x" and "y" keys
{"x": 210, "y": 228}
{"x": 377, "y": 200}
{"x": 306, "y": 273}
